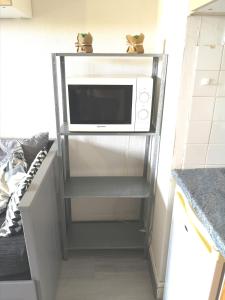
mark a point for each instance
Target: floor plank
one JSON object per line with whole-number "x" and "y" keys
{"x": 105, "y": 275}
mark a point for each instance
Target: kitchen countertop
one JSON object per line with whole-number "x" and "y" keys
{"x": 205, "y": 191}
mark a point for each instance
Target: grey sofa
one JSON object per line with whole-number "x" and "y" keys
{"x": 30, "y": 262}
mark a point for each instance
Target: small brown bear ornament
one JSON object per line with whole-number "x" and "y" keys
{"x": 84, "y": 43}
{"x": 135, "y": 43}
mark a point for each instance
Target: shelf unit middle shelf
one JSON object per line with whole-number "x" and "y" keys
{"x": 107, "y": 187}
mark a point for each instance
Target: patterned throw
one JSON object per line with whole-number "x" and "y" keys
{"x": 13, "y": 169}
{"x": 13, "y": 222}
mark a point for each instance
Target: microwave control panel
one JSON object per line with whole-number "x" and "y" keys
{"x": 143, "y": 103}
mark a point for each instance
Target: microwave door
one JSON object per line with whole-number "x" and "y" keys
{"x": 101, "y": 107}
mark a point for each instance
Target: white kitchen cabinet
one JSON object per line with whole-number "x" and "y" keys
{"x": 10, "y": 9}
{"x": 193, "y": 262}
{"x": 207, "y": 7}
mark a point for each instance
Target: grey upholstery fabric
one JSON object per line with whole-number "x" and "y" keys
{"x": 13, "y": 257}
{"x": 32, "y": 146}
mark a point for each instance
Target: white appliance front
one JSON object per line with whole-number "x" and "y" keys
{"x": 109, "y": 104}
{"x": 190, "y": 264}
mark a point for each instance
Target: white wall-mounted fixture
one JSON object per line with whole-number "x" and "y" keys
{"x": 205, "y": 81}
{"x": 15, "y": 9}
{"x": 213, "y": 7}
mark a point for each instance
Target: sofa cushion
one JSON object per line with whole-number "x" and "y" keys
{"x": 32, "y": 146}
{"x": 13, "y": 257}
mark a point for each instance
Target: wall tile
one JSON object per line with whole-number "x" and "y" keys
{"x": 199, "y": 132}
{"x": 209, "y": 58}
{"x": 217, "y": 135}
{"x": 208, "y": 90}
{"x": 221, "y": 85}
{"x": 212, "y": 31}
{"x": 223, "y": 59}
{"x": 202, "y": 109}
{"x": 193, "y": 28}
{"x": 216, "y": 155}
{"x": 219, "y": 112}
{"x": 195, "y": 154}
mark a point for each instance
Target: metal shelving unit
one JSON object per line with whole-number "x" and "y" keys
{"x": 108, "y": 235}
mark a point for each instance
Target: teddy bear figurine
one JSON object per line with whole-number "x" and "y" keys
{"x": 84, "y": 43}
{"x": 135, "y": 43}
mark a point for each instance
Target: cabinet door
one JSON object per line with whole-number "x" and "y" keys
{"x": 195, "y": 4}
{"x": 177, "y": 281}
{"x": 5, "y": 2}
{"x": 191, "y": 262}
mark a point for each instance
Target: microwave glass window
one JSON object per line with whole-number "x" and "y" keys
{"x": 100, "y": 104}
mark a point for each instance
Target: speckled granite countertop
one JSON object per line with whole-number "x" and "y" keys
{"x": 205, "y": 191}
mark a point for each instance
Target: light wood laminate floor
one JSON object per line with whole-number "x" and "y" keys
{"x": 105, "y": 275}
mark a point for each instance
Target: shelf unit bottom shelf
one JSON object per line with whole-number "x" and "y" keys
{"x": 106, "y": 235}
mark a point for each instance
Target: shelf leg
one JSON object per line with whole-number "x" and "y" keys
{"x": 68, "y": 212}
{"x": 62, "y": 212}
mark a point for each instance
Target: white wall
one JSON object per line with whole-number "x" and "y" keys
{"x": 26, "y": 46}
{"x": 26, "y": 91}
{"x": 172, "y": 29}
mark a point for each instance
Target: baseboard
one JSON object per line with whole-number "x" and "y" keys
{"x": 158, "y": 286}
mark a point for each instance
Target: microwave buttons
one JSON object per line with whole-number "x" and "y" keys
{"x": 143, "y": 114}
{"x": 144, "y": 97}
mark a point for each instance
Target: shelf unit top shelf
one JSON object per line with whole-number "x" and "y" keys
{"x": 144, "y": 55}
{"x": 105, "y": 235}
{"x": 107, "y": 187}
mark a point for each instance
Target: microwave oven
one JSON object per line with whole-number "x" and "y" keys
{"x": 109, "y": 103}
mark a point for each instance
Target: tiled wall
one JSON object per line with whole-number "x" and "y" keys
{"x": 205, "y": 137}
